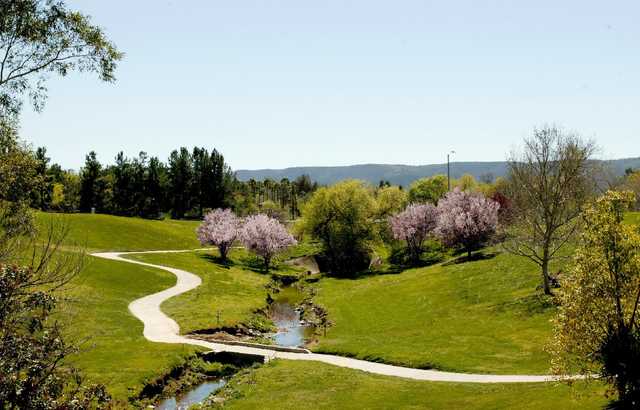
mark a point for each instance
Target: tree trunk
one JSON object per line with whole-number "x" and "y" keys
{"x": 223, "y": 252}
{"x": 266, "y": 264}
{"x": 545, "y": 278}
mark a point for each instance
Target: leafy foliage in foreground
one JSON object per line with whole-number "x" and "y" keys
{"x": 32, "y": 350}
{"x": 598, "y": 324}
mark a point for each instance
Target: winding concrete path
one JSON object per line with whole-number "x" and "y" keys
{"x": 160, "y": 328}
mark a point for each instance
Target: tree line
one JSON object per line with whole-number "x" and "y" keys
{"x": 185, "y": 186}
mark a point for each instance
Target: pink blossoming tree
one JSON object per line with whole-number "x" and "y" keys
{"x": 219, "y": 228}
{"x": 414, "y": 225}
{"x": 466, "y": 219}
{"x": 265, "y": 237}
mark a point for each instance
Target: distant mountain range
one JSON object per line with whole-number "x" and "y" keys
{"x": 401, "y": 174}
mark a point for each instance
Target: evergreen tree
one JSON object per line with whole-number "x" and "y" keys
{"x": 154, "y": 198}
{"x": 89, "y": 197}
{"x": 42, "y": 191}
{"x": 180, "y": 181}
{"x": 122, "y": 193}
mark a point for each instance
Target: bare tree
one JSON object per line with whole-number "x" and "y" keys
{"x": 550, "y": 181}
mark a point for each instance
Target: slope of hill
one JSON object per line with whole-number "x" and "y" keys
{"x": 400, "y": 174}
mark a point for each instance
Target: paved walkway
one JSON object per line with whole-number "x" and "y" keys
{"x": 158, "y": 327}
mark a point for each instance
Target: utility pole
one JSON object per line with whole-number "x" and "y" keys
{"x": 449, "y": 170}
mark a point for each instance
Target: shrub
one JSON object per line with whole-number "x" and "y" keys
{"x": 342, "y": 217}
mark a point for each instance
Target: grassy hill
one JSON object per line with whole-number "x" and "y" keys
{"x": 94, "y": 307}
{"x": 98, "y": 232}
{"x": 95, "y": 311}
{"x": 481, "y": 316}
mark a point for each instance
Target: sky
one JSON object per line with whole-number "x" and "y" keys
{"x": 274, "y": 84}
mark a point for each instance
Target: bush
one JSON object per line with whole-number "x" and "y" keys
{"x": 342, "y": 218}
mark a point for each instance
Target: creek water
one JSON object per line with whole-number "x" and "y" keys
{"x": 291, "y": 332}
{"x": 195, "y": 395}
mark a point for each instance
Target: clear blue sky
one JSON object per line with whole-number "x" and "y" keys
{"x": 287, "y": 83}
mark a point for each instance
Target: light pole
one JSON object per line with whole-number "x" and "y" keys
{"x": 449, "y": 170}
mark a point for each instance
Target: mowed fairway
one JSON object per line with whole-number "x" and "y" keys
{"x": 234, "y": 291}
{"x": 95, "y": 304}
{"x": 303, "y": 385}
{"x": 481, "y": 316}
{"x": 116, "y": 353}
{"x": 117, "y": 233}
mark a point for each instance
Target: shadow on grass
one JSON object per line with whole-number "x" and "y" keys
{"x": 399, "y": 262}
{"x": 528, "y": 305}
{"x": 225, "y": 263}
{"x": 478, "y": 256}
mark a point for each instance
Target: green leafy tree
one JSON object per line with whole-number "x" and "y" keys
{"x": 632, "y": 183}
{"x": 390, "y": 200}
{"x": 428, "y": 190}
{"x": 597, "y": 329}
{"x": 467, "y": 182}
{"x": 18, "y": 177}
{"x": 39, "y": 38}
{"x": 71, "y": 184}
{"x": 342, "y": 217}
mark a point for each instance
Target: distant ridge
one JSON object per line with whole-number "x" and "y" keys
{"x": 400, "y": 174}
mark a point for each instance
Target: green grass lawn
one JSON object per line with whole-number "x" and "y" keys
{"x": 482, "y": 316}
{"x": 235, "y": 290}
{"x": 115, "y": 233}
{"x": 307, "y": 385}
{"x": 95, "y": 305}
{"x": 96, "y": 308}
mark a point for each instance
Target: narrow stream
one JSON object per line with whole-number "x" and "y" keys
{"x": 291, "y": 331}
{"x": 196, "y": 395}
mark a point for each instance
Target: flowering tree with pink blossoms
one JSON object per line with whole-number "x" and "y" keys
{"x": 414, "y": 225}
{"x": 466, "y": 219}
{"x": 219, "y": 228}
{"x": 265, "y": 237}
